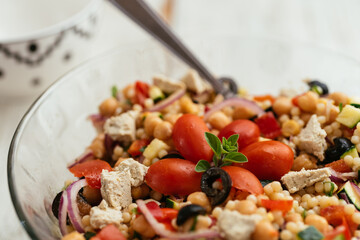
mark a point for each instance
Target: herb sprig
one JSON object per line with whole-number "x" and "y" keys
{"x": 225, "y": 153}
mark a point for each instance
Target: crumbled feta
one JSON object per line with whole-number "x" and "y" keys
{"x": 137, "y": 171}
{"x": 103, "y": 215}
{"x": 166, "y": 85}
{"x": 312, "y": 138}
{"x": 295, "y": 181}
{"x": 237, "y": 226}
{"x": 122, "y": 128}
{"x": 116, "y": 188}
{"x": 194, "y": 82}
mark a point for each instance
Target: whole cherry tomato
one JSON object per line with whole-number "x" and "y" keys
{"x": 268, "y": 160}
{"x": 173, "y": 176}
{"x": 189, "y": 138}
{"x": 244, "y": 180}
{"x": 248, "y": 132}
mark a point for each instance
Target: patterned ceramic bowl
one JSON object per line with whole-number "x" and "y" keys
{"x": 40, "y": 44}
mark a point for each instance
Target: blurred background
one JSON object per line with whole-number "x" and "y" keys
{"x": 326, "y": 23}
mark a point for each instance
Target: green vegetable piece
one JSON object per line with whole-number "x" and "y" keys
{"x": 355, "y": 105}
{"x": 89, "y": 235}
{"x": 304, "y": 214}
{"x": 310, "y": 233}
{"x": 331, "y": 191}
{"x": 169, "y": 203}
{"x": 235, "y": 157}
{"x": 341, "y": 106}
{"x": 214, "y": 143}
{"x": 316, "y": 89}
{"x": 114, "y": 91}
{"x": 202, "y": 166}
{"x": 265, "y": 182}
{"x": 142, "y": 149}
{"x": 193, "y": 226}
{"x": 233, "y": 139}
{"x": 339, "y": 237}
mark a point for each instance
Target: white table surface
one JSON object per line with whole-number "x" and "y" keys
{"x": 331, "y": 24}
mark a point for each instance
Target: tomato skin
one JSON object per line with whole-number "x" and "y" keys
{"x": 248, "y": 132}
{"x": 268, "y": 125}
{"x": 262, "y": 98}
{"x": 335, "y": 215}
{"x": 110, "y": 232}
{"x": 339, "y": 166}
{"x": 189, "y": 138}
{"x": 282, "y": 205}
{"x": 268, "y": 160}
{"x": 173, "y": 176}
{"x": 141, "y": 92}
{"x": 134, "y": 149}
{"x": 244, "y": 180}
{"x": 91, "y": 170}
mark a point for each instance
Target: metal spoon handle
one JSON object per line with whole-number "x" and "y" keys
{"x": 142, "y": 14}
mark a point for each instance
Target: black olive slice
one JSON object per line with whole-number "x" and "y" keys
{"x": 217, "y": 196}
{"x": 333, "y": 153}
{"x": 324, "y": 89}
{"x": 55, "y": 204}
{"x": 173, "y": 155}
{"x": 188, "y": 212}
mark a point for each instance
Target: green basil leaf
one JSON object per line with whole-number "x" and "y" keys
{"x": 142, "y": 149}
{"x": 214, "y": 143}
{"x": 215, "y": 160}
{"x": 202, "y": 166}
{"x": 236, "y": 157}
{"x": 355, "y": 105}
{"x": 114, "y": 91}
{"x": 226, "y": 164}
{"x": 310, "y": 233}
{"x": 233, "y": 139}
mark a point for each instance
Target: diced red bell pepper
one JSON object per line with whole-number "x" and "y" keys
{"x": 281, "y": 205}
{"x": 141, "y": 92}
{"x": 110, "y": 232}
{"x": 268, "y": 125}
{"x": 91, "y": 170}
{"x": 262, "y": 98}
{"x": 134, "y": 149}
{"x": 343, "y": 230}
{"x": 339, "y": 166}
{"x": 295, "y": 100}
{"x": 335, "y": 215}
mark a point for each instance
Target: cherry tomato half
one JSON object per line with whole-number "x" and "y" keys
{"x": 268, "y": 160}
{"x": 248, "y": 132}
{"x": 141, "y": 92}
{"x": 189, "y": 138}
{"x": 243, "y": 179}
{"x": 173, "y": 176}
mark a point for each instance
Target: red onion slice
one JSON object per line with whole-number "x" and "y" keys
{"x": 168, "y": 101}
{"x": 356, "y": 188}
{"x": 87, "y": 155}
{"x": 235, "y": 102}
{"x": 98, "y": 121}
{"x": 160, "y": 230}
{"x": 63, "y": 213}
{"x": 73, "y": 210}
{"x": 344, "y": 176}
{"x": 344, "y": 197}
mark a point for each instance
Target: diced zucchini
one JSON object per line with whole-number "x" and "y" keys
{"x": 154, "y": 148}
{"x": 171, "y": 204}
{"x": 353, "y": 197}
{"x": 339, "y": 237}
{"x": 156, "y": 94}
{"x": 310, "y": 233}
{"x": 349, "y": 116}
{"x": 352, "y": 152}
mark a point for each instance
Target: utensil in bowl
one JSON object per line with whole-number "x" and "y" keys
{"x": 55, "y": 130}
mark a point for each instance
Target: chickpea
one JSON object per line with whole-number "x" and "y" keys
{"x": 264, "y": 230}
{"x": 172, "y": 118}
{"x": 282, "y": 105}
{"x": 108, "y": 107}
{"x": 308, "y": 102}
{"x": 187, "y": 105}
{"x": 141, "y": 191}
{"x": 305, "y": 117}
{"x": 317, "y": 221}
{"x": 98, "y": 147}
{"x": 242, "y": 113}
{"x": 334, "y": 112}
{"x": 151, "y": 121}
{"x": 73, "y": 236}
{"x": 201, "y": 199}
{"x": 219, "y": 120}
{"x": 141, "y": 226}
{"x": 304, "y": 160}
{"x": 245, "y": 207}
{"x": 129, "y": 91}
{"x": 163, "y": 130}
{"x": 290, "y": 128}
{"x": 92, "y": 195}
{"x": 338, "y": 98}
{"x": 293, "y": 217}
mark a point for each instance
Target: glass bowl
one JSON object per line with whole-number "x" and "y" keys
{"x": 55, "y": 129}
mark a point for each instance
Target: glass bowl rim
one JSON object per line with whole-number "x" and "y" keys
{"x": 108, "y": 54}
